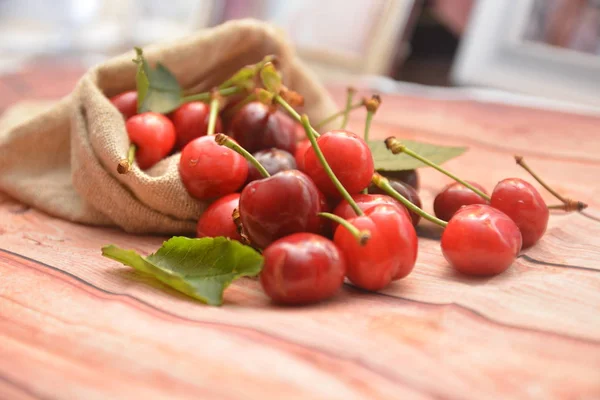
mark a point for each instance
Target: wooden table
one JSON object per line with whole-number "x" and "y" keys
{"x": 74, "y": 325}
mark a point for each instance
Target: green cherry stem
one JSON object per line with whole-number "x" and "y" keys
{"x": 125, "y": 165}
{"x": 350, "y": 95}
{"x": 396, "y": 147}
{"x": 338, "y": 114}
{"x": 383, "y": 183}
{"x": 290, "y": 110}
{"x": 568, "y": 204}
{"x": 361, "y": 236}
{"x": 371, "y": 105}
{"x": 224, "y": 140}
{"x": 313, "y": 142}
{"x": 206, "y": 96}
{"x": 213, "y": 113}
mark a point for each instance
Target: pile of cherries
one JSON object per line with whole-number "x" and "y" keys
{"x": 314, "y": 204}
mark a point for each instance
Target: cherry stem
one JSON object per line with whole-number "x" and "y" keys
{"x": 206, "y": 96}
{"x": 290, "y": 110}
{"x": 336, "y": 182}
{"x": 396, "y": 147}
{"x": 224, "y": 140}
{"x": 361, "y": 236}
{"x": 384, "y": 184}
{"x": 368, "y": 125}
{"x": 568, "y": 204}
{"x": 237, "y": 221}
{"x": 350, "y": 95}
{"x": 371, "y": 105}
{"x": 125, "y": 165}
{"x": 338, "y": 114}
{"x": 212, "y": 116}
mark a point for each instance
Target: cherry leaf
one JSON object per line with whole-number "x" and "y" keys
{"x": 200, "y": 268}
{"x": 158, "y": 89}
{"x": 386, "y": 161}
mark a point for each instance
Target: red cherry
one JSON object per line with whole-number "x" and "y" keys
{"x": 154, "y": 136}
{"x": 301, "y": 148}
{"x": 257, "y": 127}
{"x": 348, "y": 156}
{"x": 409, "y": 176}
{"x": 273, "y": 160}
{"x": 480, "y": 240}
{"x": 277, "y": 206}
{"x": 453, "y": 197}
{"x": 302, "y": 268}
{"x": 191, "y": 122}
{"x": 217, "y": 219}
{"x": 405, "y": 190}
{"x": 126, "y": 103}
{"x": 209, "y": 171}
{"x": 524, "y": 205}
{"x": 364, "y": 202}
{"x": 390, "y": 253}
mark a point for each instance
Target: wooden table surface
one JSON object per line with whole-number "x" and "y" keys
{"x": 74, "y": 325}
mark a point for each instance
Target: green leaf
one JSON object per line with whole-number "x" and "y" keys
{"x": 386, "y": 161}
{"x": 158, "y": 89}
{"x": 200, "y": 268}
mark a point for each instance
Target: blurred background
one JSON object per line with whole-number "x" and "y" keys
{"x": 549, "y": 49}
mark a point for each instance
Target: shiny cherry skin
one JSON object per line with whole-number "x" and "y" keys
{"x": 390, "y": 253}
{"x": 191, "y": 122}
{"x": 524, "y": 205}
{"x": 453, "y": 197}
{"x": 126, "y": 103}
{"x": 302, "y": 268}
{"x": 409, "y": 176}
{"x": 348, "y": 156}
{"x": 209, "y": 171}
{"x": 274, "y": 207}
{"x": 257, "y": 127}
{"x": 405, "y": 190}
{"x": 301, "y": 148}
{"x": 273, "y": 160}
{"x": 481, "y": 240}
{"x": 364, "y": 202}
{"x": 217, "y": 219}
{"x": 154, "y": 136}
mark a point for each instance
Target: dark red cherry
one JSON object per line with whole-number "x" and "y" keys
{"x": 209, "y": 171}
{"x": 274, "y": 207}
{"x": 524, "y": 205}
{"x": 226, "y": 115}
{"x": 301, "y": 147}
{"x": 257, "y": 127}
{"x": 126, "y": 103}
{"x": 154, "y": 136}
{"x": 273, "y": 160}
{"x": 302, "y": 268}
{"x": 481, "y": 240}
{"x": 453, "y": 197}
{"x": 390, "y": 253}
{"x": 217, "y": 219}
{"x": 409, "y": 176}
{"x": 405, "y": 190}
{"x": 191, "y": 122}
{"x": 348, "y": 156}
{"x": 364, "y": 202}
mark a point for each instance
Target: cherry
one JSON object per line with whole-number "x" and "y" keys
{"x": 273, "y": 160}
{"x": 126, "y": 103}
{"x": 301, "y": 148}
{"x": 209, "y": 170}
{"x": 277, "y": 206}
{"x": 191, "y": 122}
{"x": 257, "y": 127}
{"x": 350, "y": 160}
{"x": 481, "y": 240}
{"x": 410, "y": 177}
{"x": 217, "y": 219}
{"x": 302, "y": 268}
{"x": 154, "y": 137}
{"x": 524, "y": 205}
{"x": 364, "y": 202}
{"x": 453, "y": 197}
{"x": 389, "y": 254}
{"x": 405, "y": 190}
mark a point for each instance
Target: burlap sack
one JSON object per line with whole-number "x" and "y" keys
{"x": 62, "y": 160}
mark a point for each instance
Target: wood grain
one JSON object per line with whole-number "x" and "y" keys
{"x": 76, "y": 325}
